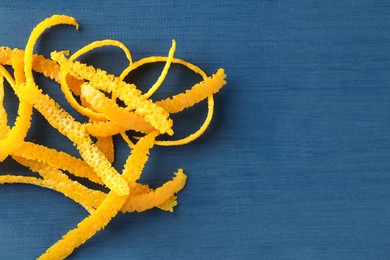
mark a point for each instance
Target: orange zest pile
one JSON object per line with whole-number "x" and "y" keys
{"x": 94, "y": 93}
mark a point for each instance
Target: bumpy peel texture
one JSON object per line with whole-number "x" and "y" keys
{"x": 112, "y": 107}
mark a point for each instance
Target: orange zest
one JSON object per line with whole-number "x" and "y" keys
{"x": 113, "y": 108}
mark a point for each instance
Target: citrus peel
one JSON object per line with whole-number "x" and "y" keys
{"x": 112, "y": 191}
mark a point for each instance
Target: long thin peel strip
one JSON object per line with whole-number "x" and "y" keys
{"x": 116, "y": 114}
{"x": 156, "y": 197}
{"x": 197, "y": 93}
{"x": 75, "y": 131}
{"x": 60, "y": 182}
{"x": 106, "y": 211}
{"x": 18, "y": 132}
{"x": 106, "y": 119}
{"x": 57, "y": 159}
{"x": 156, "y": 116}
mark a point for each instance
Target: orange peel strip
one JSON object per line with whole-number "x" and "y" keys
{"x": 199, "y": 132}
{"x": 18, "y": 132}
{"x": 36, "y": 32}
{"x": 11, "y": 179}
{"x": 90, "y": 199}
{"x": 197, "y": 93}
{"x": 118, "y": 115}
{"x": 138, "y": 158}
{"x": 4, "y": 128}
{"x": 127, "y": 139}
{"x": 106, "y": 145}
{"x": 57, "y": 159}
{"x": 47, "y": 67}
{"x": 58, "y": 181}
{"x": 103, "y": 128}
{"x": 86, "y": 228}
{"x": 106, "y": 210}
{"x": 102, "y": 43}
{"x": 5, "y": 55}
{"x": 64, "y": 122}
{"x": 152, "y": 199}
{"x": 152, "y": 59}
{"x": 137, "y": 192}
{"x": 66, "y": 89}
{"x": 187, "y": 99}
{"x": 7, "y": 76}
{"x": 164, "y": 72}
{"x": 153, "y": 114}
{"x": 75, "y": 131}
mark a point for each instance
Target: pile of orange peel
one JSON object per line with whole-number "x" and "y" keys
{"x": 112, "y": 107}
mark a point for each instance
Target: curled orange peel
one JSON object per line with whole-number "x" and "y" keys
{"x": 67, "y": 89}
{"x": 128, "y": 93}
{"x": 179, "y": 102}
{"x": 163, "y": 73}
{"x": 116, "y": 114}
{"x": 55, "y": 179}
{"x": 108, "y": 209}
{"x": 94, "y": 140}
{"x": 18, "y": 132}
{"x": 57, "y": 159}
{"x": 106, "y": 146}
{"x": 36, "y": 32}
{"x": 4, "y": 128}
{"x": 61, "y": 120}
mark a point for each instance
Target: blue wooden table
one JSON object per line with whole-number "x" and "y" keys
{"x": 296, "y": 162}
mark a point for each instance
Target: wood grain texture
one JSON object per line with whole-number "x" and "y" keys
{"x": 296, "y": 162}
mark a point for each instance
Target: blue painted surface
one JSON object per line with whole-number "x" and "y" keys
{"x": 296, "y": 162}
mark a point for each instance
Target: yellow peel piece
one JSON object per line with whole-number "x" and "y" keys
{"x": 47, "y": 67}
{"x": 102, "y": 43}
{"x": 199, "y": 132}
{"x": 99, "y": 79}
{"x": 107, "y": 210}
{"x": 10, "y": 178}
{"x": 18, "y": 66}
{"x": 103, "y": 128}
{"x": 152, "y": 199}
{"x": 36, "y": 32}
{"x": 135, "y": 65}
{"x": 66, "y": 89}
{"x": 106, "y": 146}
{"x": 89, "y": 199}
{"x": 58, "y": 181}
{"x": 197, "y": 93}
{"x": 5, "y": 55}
{"x": 53, "y": 185}
{"x": 86, "y": 228}
{"x": 187, "y": 99}
{"x": 57, "y": 159}
{"x": 18, "y": 132}
{"x": 61, "y": 120}
{"x": 4, "y": 128}
{"x": 75, "y": 131}
{"x": 163, "y": 73}
{"x": 118, "y": 115}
